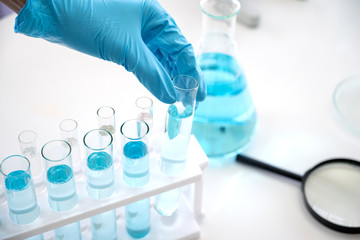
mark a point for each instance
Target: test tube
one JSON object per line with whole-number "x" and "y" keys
{"x": 100, "y": 180}
{"x": 100, "y": 169}
{"x": 62, "y": 194}
{"x": 144, "y": 107}
{"x": 135, "y": 152}
{"x": 136, "y": 174}
{"x": 19, "y": 189}
{"x": 68, "y": 232}
{"x": 60, "y": 178}
{"x": 179, "y": 121}
{"x": 29, "y": 148}
{"x": 106, "y": 119}
{"x": 138, "y": 218}
{"x": 176, "y": 139}
{"x": 69, "y": 133}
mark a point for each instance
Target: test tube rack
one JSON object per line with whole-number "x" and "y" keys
{"x": 185, "y": 224}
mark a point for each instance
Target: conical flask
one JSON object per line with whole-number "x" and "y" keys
{"x": 224, "y": 123}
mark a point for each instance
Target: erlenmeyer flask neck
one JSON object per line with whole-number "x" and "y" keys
{"x": 219, "y": 16}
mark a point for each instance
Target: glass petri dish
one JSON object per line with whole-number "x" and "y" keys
{"x": 346, "y": 100}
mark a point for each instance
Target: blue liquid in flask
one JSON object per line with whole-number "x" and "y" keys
{"x": 61, "y": 188}
{"x": 138, "y": 218}
{"x": 100, "y": 175}
{"x": 136, "y": 164}
{"x": 224, "y": 123}
{"x": 23, "y": 207}
{"x": 174, "y": 150}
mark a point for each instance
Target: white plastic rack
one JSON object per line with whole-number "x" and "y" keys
{"x": 184, "y": 225}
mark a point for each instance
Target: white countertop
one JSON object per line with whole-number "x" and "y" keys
{"x": 293, "y": 61}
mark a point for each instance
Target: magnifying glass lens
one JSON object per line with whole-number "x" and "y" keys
{"x": 332, "y": 192}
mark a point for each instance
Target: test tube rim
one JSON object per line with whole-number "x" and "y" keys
{"x": 144, "y": 97}
{"x": 137, "y": 120}
{"x": 221, "y": 17}
{"x": 57, "y": 160}
{"x": 68, "y": 119}
{"x": 27, "y": 131}
{"x": 98, "y": 149}
{"x": 112, "y": 109}
{"x": 185, "y": 89}
{"x": 11, "y": 156}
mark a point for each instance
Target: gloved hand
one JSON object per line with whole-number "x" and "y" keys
{"x": 137, "y": 34}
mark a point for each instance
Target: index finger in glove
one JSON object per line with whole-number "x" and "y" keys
{"x": 165, "y": 40}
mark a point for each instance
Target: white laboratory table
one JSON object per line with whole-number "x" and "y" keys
{"x": 293, "y": 61}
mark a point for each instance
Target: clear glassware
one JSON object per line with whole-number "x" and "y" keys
{"x": 103, "y": 226}
{"x": 100, "y": 180}
{"x": 100, "y": 168}
{"x": 144, "y": 107}
{"x": 69, "y": 133}
{"x": 36, "y": 237}
{"x": 71, "y": 231}
{"x": 134, "y": 136}
{"x": 179, "y": 120}
{"x": 19, "y": 189}
{"x": 106, "y": 119}
{"x": 176, "y": 140}
{"x": 136, "y": 173}
{"x": 29, "y": 148}
{"x": 224, "y": 123}
{"x": 60, "y": 177}
{"x": 138, "y": 218}
{"x": 62, "y": 195}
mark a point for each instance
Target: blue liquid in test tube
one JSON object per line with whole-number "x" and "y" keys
{"x": 23, "y": 207}
{"x": 136, "y": 164}
{"x": 100, "y": 175}
{"x": 61, "y": 188}
{"x": 138, "y": 218}
{"x": 100, "y": 180}
{"x": 136, "y": 174}
{"x": 104, "y": 226}
{"x": 71, "y": 231}
{"x": 37, "y": 237}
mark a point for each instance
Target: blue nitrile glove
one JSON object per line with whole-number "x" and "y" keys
{"x": 137, "y": 34}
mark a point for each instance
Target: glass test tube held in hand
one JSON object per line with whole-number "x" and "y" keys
{"x": 19, "y": 189}
{"x": 100, "y": 180}
{"x": 176, "y": 139}
{"x": 69, "y": 133}
{"x": 136, "y": 174}
{"x": 29, "y": 148}
{"x": 62, "y": 194}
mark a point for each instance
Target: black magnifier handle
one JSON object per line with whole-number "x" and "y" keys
{"x": 250, "y": 161}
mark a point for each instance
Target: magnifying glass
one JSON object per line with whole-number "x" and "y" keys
{"x": 331, "y": 191}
